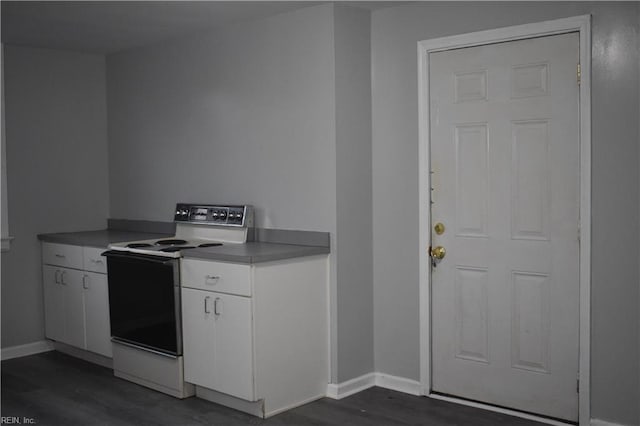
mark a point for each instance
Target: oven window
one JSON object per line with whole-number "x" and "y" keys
{"x": 142, "y": 302}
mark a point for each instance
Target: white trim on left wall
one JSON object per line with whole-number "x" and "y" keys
{"x": 26, "y": 349}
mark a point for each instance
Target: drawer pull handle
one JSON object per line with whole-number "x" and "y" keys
{"x": 85, "y": 285}
{"x": 211, "y": 279}
{"x": 217, "y": 306}
{"x": 61, "y": 256}
{"x": 96, "y": 260}
{"x": 57, "y": 276}
{"x": 207, "y": 309}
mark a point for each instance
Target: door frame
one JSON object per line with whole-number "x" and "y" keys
{"x": 581, "y": 25}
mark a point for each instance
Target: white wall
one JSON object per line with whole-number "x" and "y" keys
{"x": 354, "y": 293}
{"x": 56, "y": 142}
{"x": 615, "y": 275}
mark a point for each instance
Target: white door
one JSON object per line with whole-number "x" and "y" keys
{"x": 505, "y": 157}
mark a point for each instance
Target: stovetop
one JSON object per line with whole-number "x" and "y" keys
{"x": 171, "y": 247}
{"x": 193, "y": 230}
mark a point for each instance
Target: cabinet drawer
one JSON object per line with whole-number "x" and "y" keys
{"x": 216, "y": 276}
{"x": 62, "y": 255}
{"x": 93, "y": 261}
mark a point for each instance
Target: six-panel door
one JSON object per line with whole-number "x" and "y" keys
{"x": 505, "y": 163}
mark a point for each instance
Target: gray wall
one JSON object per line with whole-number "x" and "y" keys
{"x": 56, "y": 141}
{"x": 354, "y": 218}
{"x": 273, "y": 112}
{"x": 241, "y": 115}
{"x": 615, "y": 203}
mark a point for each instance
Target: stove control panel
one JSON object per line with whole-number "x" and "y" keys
{"x": 210, "y": 214}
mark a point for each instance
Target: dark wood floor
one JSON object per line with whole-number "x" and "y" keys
{"x": 56, "y": 389}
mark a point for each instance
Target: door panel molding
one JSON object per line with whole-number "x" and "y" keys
{"x": 581, "y": 25}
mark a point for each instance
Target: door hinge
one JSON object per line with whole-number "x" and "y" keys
{"x": 579, "y": 74}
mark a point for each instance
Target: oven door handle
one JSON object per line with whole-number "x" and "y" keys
{"x": 147, "y": 258}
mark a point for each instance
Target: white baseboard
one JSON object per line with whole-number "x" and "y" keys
{"x": 366, "y": 381}
{"x": 399, "y": 384}
{"x": 344, "y": 389}
{"x": 26, "y": 350}
{"x": 598, "y": 422}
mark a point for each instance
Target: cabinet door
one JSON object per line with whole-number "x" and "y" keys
{"x": 217, "y": 339}
{"x": 71, "y": 281}
{"x": 96, "y": 306}
{"x": 198, "y": 337}
{"x": 233, "y": 348}
{"x": 54, "y": 314}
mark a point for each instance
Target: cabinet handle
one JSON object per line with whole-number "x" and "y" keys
{"x": 62, "y": 281}
{"x": 61, "y": 256}
{"x": 207, "y": 310}
{"x": 57, "y": 276}
{"x": 217, "y": 306}
{"x": 96, "y": 260}
{"x": 85, "y": 282}
{"x": 209, "y": 278}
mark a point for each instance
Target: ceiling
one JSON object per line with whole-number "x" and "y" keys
{"x": 110, "y": 26}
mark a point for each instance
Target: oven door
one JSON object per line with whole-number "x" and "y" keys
{"x": 144, "y": 301}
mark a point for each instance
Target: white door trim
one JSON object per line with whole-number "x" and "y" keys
{"x": 582, "y": 25}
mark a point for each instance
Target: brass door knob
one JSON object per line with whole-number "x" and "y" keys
{"x": 439, "y": 228}
{"x": 438, "y": 252}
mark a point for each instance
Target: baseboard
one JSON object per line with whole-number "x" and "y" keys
{"x": 25, "y": 350}
{"x": 399, "y": 384}
{"x": 350, "y": 387}
{"x": 345, "y": 389}
{"x": 598, "y": 422}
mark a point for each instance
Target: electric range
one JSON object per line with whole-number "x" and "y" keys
{"x": 144, "y": 293}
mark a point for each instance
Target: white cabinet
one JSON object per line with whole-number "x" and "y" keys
{"x": 96, "y": 307}
{"x": 76, "y": 300}
{"x": 217, "y": 342}
{"x": 62, "y": 255}
{"x": 54, "y": 304}
{"x": 64, "y": 310}
{"x": 255, "y": 337}
{"x": 92, "y": 260}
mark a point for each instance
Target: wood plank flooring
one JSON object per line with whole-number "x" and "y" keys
{"x": 55, "y": 389}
